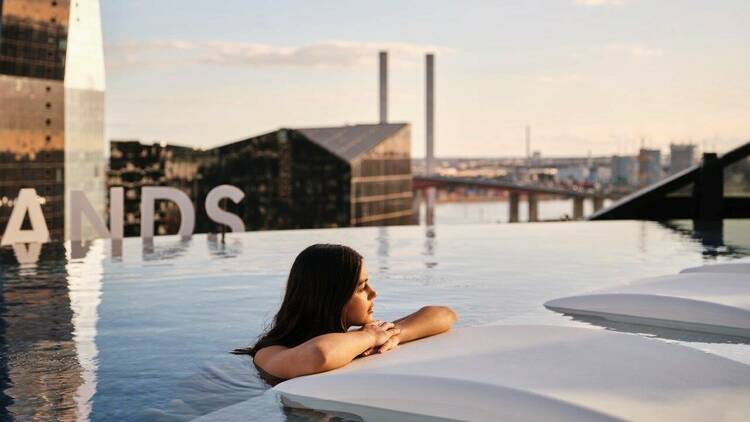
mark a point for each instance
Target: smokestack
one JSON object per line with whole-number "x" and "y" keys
{"x": 383, "y": 59}
{"x": 528, "y": 145}
{"x": 430, "y": 117}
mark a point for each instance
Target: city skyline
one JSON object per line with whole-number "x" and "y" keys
{"x": 586, "y": 75}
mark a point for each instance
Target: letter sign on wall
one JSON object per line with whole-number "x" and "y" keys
{"x": 150, "y": 194}
{"x": 27, "y": 202}
{"x": 220, "y": 216}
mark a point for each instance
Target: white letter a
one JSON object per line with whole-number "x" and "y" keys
{"x": 26, "y": 202}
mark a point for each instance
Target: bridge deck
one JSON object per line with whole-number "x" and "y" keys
{"x": 438, "y": 181}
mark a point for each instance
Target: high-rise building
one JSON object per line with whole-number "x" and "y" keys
{"x": 624, "y": 171}
{"x": 51, "y": 106}
{"x": 649, "y": 167}
{"x": 681, "y": 157}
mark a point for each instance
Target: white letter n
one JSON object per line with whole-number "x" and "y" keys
{"x": 79, "y": 204}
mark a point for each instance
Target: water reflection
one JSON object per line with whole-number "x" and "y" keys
{"x": 431, "y": 199}
{"x": 164, "y": 250}
{"x": 78, "y": 250}
{"x": 40, "y": 369}
{"x": 218, "y": 247}
{"x": 430, "y": 243}
{"x": 115, "y": 249}
{"x": 27, "y": 254}
{"x": 48, "y": 330}
{"x": 710, "y": 235}
{"x": 85, "y": 271}
{"x": 166, "y": 327}
{"x": 382, "y": 248}
{"x": 663, "y": 333}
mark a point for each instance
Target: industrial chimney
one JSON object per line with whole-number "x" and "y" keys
{"x": 430, "y": 108}
{"x": 528, "y": 145}
{"x": 383, "y": 56}
{"x": 430, "y": 117}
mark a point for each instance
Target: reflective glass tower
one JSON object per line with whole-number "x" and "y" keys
{"x": 51, "y": 105}
{"x": 357, "y": 175}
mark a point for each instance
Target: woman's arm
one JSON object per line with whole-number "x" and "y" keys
{"x": 324, "y": 352}
{"x": 428, "y": 321}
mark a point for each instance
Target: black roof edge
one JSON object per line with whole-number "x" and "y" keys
{"x": 671, "y": 183}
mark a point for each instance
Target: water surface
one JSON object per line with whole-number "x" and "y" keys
{"x": 145, "y": 334}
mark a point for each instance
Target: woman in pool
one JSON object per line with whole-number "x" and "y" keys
{"x": 327, "y": 293}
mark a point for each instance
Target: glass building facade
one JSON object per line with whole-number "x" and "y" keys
{"x": 292, "y": 178}
{"x": 51, "y": 106}
{"x": 319, "y": 177}
{"x": 382, "y": 183}
{"x": 134, "y": 165}
{"x": 289, "y": 182}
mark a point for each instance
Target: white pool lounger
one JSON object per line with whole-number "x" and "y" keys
{"x": 739, "y": 268}
{"x": 717, "y": 303}
{"x": 531, "y": 373}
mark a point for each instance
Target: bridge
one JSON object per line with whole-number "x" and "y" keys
{"x": 515, "y": 190}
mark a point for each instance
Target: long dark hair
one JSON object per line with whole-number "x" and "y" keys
{"x": 322, "y": 280}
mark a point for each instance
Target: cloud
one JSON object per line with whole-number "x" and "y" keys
{"x": 636, "y": 50}
{"x": 559, "y": 78}
{"x": 141, "y": 46}
{"x": 595, "y": 3}
{"x": 325, "y": 54}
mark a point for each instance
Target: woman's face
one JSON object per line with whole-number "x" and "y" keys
{"x": 358, "y": 311}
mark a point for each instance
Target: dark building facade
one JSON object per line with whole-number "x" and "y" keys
{"x": 344, "y": 176}
{"x": 134, "y": 165}
{"x": 51, "y": 106}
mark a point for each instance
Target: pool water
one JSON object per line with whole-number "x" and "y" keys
{"x": 142, "y": 331}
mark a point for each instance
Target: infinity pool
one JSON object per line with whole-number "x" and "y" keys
{"x": 144, "y": 333}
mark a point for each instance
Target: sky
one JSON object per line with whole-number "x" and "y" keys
{"x": 589, "y": 76}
